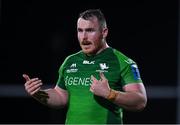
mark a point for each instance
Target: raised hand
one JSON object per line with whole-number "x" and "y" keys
{"x": 100, "y": 87}
{"x": 33, "y": 85}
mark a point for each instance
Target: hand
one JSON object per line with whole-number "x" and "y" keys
{"x": 33, "y": 85}
{"x": 100, "y": 87}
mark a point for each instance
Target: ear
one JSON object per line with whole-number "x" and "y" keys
{"x": 105, "y": 32}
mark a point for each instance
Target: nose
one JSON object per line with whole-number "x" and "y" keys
{"x": 84, "y": 35}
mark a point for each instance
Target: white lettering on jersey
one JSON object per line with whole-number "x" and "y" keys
{"x": 73, "y": 65}
{"x": 88, "y": 62}
{"x": 77, "y": 81}
{"x": 103, "y": 67}
{"x": 72, "y": 68}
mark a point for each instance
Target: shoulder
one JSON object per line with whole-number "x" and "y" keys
{"x": 74, "y": 56}
{"x": 119, "y": 54}
{"x": 122, "y": 58}
{"x": 70, "y": 59}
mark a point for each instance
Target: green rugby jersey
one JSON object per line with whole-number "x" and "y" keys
{"x": 75, "y": 77}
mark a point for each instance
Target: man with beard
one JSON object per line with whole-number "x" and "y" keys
{"x": 97, "y": 82}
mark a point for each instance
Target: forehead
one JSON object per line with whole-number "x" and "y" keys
{"x": 91, "y": 23}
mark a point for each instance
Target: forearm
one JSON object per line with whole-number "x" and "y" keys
{"x": 51, "y": 98}
{"x": 130, "y": 100}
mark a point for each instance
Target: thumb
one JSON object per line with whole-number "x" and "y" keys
{"x": 102, "y": 76}
{"x": 26, "y": 77}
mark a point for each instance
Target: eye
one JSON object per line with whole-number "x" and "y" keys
{"x": 90, "y": 30}
{"x": 79, "y": 30}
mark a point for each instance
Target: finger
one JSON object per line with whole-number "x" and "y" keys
{"x": 35, "y": 91}
{"x": 34, "y": 87}
{"x": 91, "y": 89}
{"x": 102, "y": 76}
{"x": 31, "y": 81}
{"x": 94, "y": 79}
{"x": 28, "y": 85}
{"x": 34, "y": 83}
{"x": 26, "y": 77}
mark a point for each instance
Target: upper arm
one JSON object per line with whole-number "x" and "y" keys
{"x": 135, "y": 87}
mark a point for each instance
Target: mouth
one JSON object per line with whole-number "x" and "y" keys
{"x": 86, "y": 43}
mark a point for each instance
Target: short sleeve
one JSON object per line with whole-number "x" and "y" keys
{"x": 129, "y": 71}
{"x": 61, "y": 81}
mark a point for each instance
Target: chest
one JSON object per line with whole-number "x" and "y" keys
{"x": 77, "y": 73}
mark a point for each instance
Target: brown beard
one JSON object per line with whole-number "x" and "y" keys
{"x": 85, "y": 42}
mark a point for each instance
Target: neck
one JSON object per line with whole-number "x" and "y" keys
{"x": 104, "y": 46}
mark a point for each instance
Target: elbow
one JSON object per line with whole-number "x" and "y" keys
{"x": 142, "y": 102}
{"x": 141, "y": 105}
{"x": 137, "y": 107}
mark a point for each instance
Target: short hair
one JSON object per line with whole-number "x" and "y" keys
{"x": 89, "y": 14}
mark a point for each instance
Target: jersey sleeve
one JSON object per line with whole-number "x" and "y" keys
{"x": 61, "y": 81}
{"x": 128, "y": 69}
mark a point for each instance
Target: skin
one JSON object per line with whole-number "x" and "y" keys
{"x": 133, "y": 98}
{"x": 91, "y": 37}
{"x": 92, "y": 40}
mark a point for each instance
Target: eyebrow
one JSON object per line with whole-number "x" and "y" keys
{"x": 86, "y": 29}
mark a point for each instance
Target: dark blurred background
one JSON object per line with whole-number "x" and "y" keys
{"x": 36, "y": 36}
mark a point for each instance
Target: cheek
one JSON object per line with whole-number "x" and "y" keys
{"x": 78, "y": 36}
{"x": 94, "y": 38}
{"x": 79, "y": 39}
